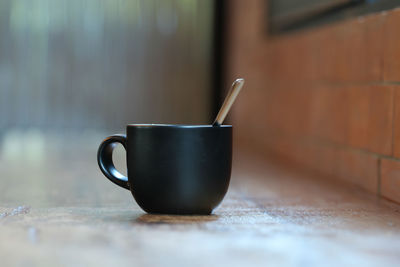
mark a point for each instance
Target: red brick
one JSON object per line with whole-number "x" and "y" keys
{"x": 291, "y": 58}
{"x": 353, "y": 166}
{"x": 371, "y": 118}
{"x": 351, "y": 50}
{"x": 348, "y": 52}
{"x": 390, "y": 179}
{"x": 330, "y": 110}
{"x": 374, "y": 47}
{"x": 313, "y": 97}
{"x": 359, "y": 116}
{"x": 288, "y": 108}
{"x": 358, "y": 168}
{"x": 391, "y": 59}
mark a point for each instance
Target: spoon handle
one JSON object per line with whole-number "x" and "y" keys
{"x": 230, "y": 98}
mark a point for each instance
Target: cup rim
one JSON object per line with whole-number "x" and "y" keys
{"x": 155, "y": 125}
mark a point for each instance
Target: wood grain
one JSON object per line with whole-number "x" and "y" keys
{"x": 61, "y": 212}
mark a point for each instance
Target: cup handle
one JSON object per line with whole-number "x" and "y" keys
{"x": 104, "y": 159}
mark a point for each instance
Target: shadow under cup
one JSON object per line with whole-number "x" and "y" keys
{"x": 173, "y": 169}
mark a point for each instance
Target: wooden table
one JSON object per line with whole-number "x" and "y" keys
{"x": 51, "y": 215}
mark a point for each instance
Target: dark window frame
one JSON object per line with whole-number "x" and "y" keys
{"x": 281, "y": 21}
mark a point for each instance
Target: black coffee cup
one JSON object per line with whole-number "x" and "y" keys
{"x": 172, "y": 169}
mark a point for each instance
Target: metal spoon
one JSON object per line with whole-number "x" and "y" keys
{"x": 230, "y": 98}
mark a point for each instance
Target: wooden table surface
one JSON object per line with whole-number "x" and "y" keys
{"x": 56, "y": 209}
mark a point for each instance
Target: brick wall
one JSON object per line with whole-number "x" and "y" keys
{"x": 326, "y": 98}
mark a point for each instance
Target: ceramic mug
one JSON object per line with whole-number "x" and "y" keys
{"x": 172, "y": 169}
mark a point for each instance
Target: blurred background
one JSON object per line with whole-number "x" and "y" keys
{"x": 71, "y": 65}
{"x": 73, "y": 72}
